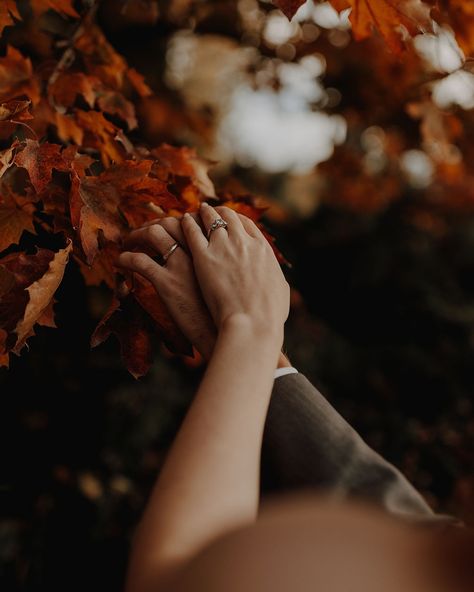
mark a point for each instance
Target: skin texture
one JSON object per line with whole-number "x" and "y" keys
{"x": 177, "y": 285}
{"x": 305, "y": 543}
{"x": 176, "y": 282}
{"x": 209, "y": 484}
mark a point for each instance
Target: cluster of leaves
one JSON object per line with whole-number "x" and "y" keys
{"x": 69, "y": 167}
{"x": 74, "y": 163}
{"x": 397, "y": 20}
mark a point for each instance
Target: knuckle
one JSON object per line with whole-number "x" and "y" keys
{"x": 138, "y": 259}
{"x": 155, "y": 231}
{"x": 168, "y": 223}
{"x": 143, "y": 263}
{"x": 148, "y": 232}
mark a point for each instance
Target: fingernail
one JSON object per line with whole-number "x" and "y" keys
{"x": 204, "y": 204}
{"x": 186, "y": 215}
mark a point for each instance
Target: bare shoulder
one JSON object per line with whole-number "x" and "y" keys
{"x": 305, "y": 543}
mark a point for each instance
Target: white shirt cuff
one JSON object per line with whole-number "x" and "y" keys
{"x": 285, "y": 370}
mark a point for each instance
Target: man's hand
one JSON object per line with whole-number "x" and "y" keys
{"x": 175, "y": 281}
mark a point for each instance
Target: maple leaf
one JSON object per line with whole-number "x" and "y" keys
{"x": 8, "y": 12}
{"x": 14, "y": 220}
{"x": 106, "y": 65}
{"x": 101, "y": 59}
{"x": 102, "y": 269}
{"x": 137, "y": 80}
{"x": 55, "y": 198}
{"x": 68, "y": 85}
{"x": 41, "y": 294}
{"x": 62, "y": 6}
{"x": 124, "y": 192}
{"x": 40, "y": 160}
{"x": 144, "y": 292}
{"x": 16, "y": 77}
{"x": 94, "y": 209}
{"x": 6, "y": 158}
{"x": 289, "y": 7}
{"x": 183, "y": 162}
{"x": 68, "y": 129}
{"x": 100, "y": 134}
{"x": 134, "y": 319}
{"x": 386, "y": 16}
{"x": 15, "y": 110}
{"x": 114, "y": 103}
{"x": 27, "y": 287}
{"x": 127, "y": 320}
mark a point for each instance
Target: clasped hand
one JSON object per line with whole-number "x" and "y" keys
{"x": 208, "y": 282}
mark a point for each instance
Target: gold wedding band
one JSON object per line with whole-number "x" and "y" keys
{"x": 169, "y": 252}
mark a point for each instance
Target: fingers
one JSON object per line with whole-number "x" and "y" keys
{"x": 251, "y": 227}
{"x": 157, "y": 239}
{"x": 193, "y": 234}
{"x": 208, "y": 216}
{"x": 173, "y": 228}
{"x": 145, "y": 266}
{"x": 235, "y": 226}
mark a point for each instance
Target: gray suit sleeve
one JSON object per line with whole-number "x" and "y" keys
{"x": 308, "y": 444}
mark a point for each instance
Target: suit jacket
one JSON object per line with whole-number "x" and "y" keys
{"x": 308, "y": 444}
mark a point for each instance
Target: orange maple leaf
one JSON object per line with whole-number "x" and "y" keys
{"x": 40, "y": 160}
{"x": 119, "y": 197}
{"x": 387, "y": 17}
{"x": 65, "y": 88}
{"x": 100, "y": 58}
{"x": 94, "y": 209}
{"x": 15, "y": 110}
{"x": 137, "y": 80}
{"x": 16, "y": 77}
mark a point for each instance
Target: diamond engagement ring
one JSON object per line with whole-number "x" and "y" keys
{"x": 218, "y": 223}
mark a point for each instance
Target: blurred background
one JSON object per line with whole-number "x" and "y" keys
{"x": 365, "y": 162}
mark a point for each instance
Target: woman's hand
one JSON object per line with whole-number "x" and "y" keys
{"x": 239, "y": 275}
{"x": 209, "y": 484}
{"x": 175, "y": 282}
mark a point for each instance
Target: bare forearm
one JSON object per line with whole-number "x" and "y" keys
{"x": 210, "y": 481}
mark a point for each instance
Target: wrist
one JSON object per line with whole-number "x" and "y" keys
{"x": 246, "y": 327}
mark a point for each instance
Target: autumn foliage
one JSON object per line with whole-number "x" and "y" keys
{"x": 74, "y": 166}
{"x": 90, "y": 183}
